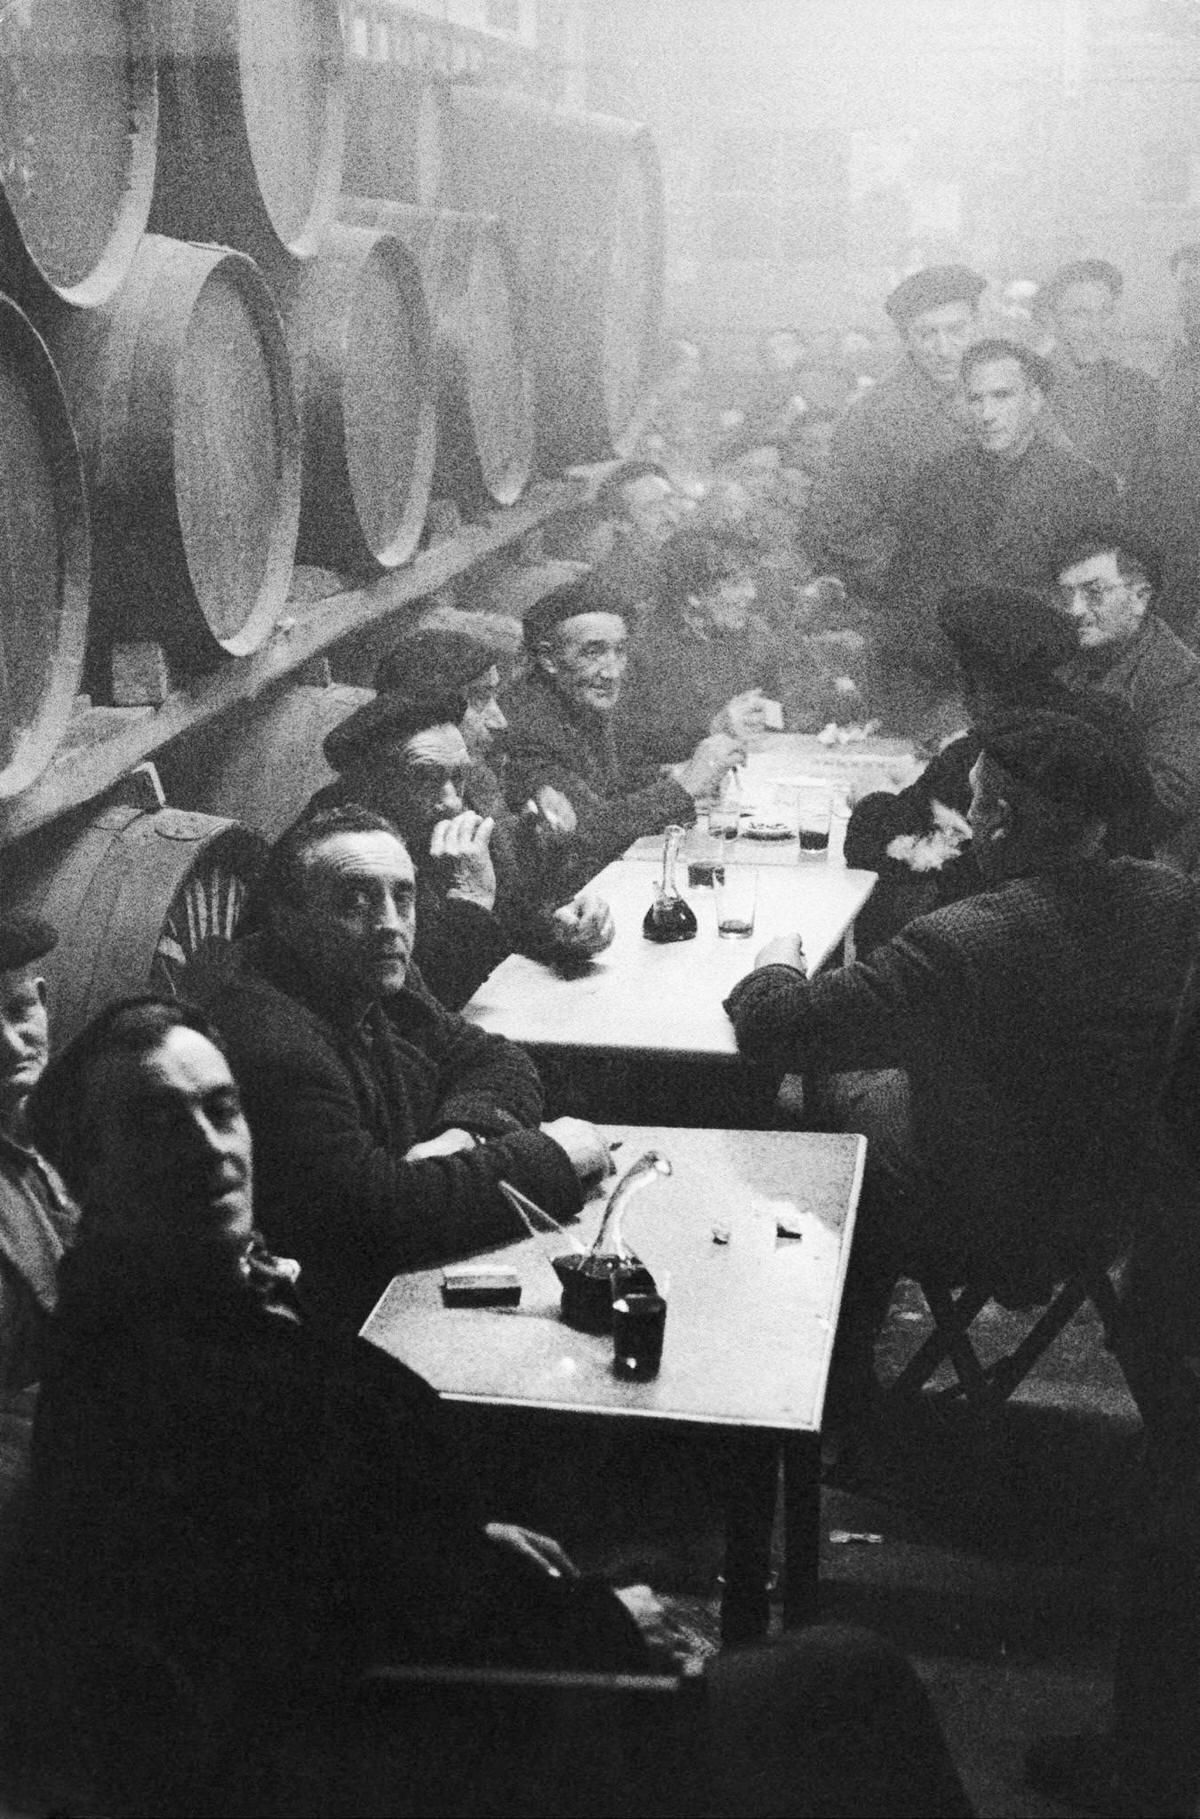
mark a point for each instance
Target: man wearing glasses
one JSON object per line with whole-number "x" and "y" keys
{"x": 1107, "y": 585}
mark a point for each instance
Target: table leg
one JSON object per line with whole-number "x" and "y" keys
{"x": 751, "y": 1487}
{"x": 801, "y": 1528}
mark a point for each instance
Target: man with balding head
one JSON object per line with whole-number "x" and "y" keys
{"x": 1011, "y": 1043}
{"x": 913, "y": 416}
{"x": 561, "y": 731}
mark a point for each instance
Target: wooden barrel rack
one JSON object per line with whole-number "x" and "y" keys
{"x": 362, "y": 353}
{"x": 137, "y": 895}
{"x": 251, "y": 105}
{"x": 181, "y": 395}
{"x": 581, "y": 197}
{"x": 262, "y": 763}
{"x": 78, "y": 137}
{"x": 44, "y": 556}
{"x": 480, "y": 325}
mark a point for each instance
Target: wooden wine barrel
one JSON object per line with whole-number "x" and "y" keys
{"x": 78, "y": 122}
{"x": 362, "y": 350}
{"x": 263, "y": 762}
{"x": 137, "y": 896}
{"x": 251, "y": 103}
{"x": 484, "y": 369}
{"x": 397, "y": 134}
{"x": 581, "y": 197}
{"x": 44, "y": 556}
{"x": 181, "y": 396}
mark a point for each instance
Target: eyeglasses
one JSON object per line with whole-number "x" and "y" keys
{"x": 1094, "y": 592}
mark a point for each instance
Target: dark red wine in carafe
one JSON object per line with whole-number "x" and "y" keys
{"x": 669, "y": 918}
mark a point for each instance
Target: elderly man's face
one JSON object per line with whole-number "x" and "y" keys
{"x": 483, "y": 718}
{"x": 652, "y": 506}
{"x": 1081, "y": 320}
{"x": 24, "y": 1036}
{"x": 419, "y": 781}
{"x": 1101, "y": 604}
{"x": 169, "y": 1151}
{"x": 357, "y": 922}
{"x": 1004, "y": 405}
{"x": 587, "y": 656}
{"x": 937, "y": 339}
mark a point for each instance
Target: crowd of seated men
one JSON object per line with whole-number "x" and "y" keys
{"x": 199, "y": 1205}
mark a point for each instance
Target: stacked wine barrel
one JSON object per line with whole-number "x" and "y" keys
{"x": 258, "y": 305}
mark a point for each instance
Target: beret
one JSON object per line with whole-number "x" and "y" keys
{"x": 1080, "y": 271}
{"x": 1187, "y": 254}
{"x": 589, "y": 594}
{"x": 930, "y": 289}
{"x": 1094, "y": 769}
{"x": 24, "y": 939}
{"x": 436, "y": 660}
{"x": 1005, "y": 628}
{"x": 389, "y": 717}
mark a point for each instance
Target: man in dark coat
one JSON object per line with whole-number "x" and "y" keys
{"x": 1168, "y": 504}
{"x": 561, "y": 732}
{"x": 1108, "y": 584}
{"x": 253, "y": 1509}
{"x": 1109, "y": 411}
{"x": 915, "y": 415}
{"x": 383, "y": 1121}
{"x": 990, "y": 513}
{"x": 1017, "y": 1037}
{"x": 489, "y": 880}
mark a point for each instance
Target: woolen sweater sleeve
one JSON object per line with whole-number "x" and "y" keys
{"x": 874, "y": 1013}
{"x": 458, "y": 944}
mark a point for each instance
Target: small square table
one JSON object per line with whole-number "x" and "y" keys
{"x": 749, "y": 1333}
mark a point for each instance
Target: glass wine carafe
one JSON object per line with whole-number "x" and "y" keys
{"x": 669, "y": 917}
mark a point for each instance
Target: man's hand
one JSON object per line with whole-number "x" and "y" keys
{"x": 553, "y": 811}
{"x": 448, "y": 1143}
{"x": 463, "y": 844}
{"x": 745, "y": 715}
{"x": 582, "y": 927}
{"x": 715, "y": 755}
{"x": 542, "y": 1550}
{"x": 586, "y": 1147}
{"x": 784, "y": 950}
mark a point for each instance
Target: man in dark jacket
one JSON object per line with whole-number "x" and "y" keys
{"x": 488, "y": 883}
{"x": 990, "y": 513}
{"x": 1017, "y": 1037}
{"x": 252, "y": 1510}
{"x": 561, "y": 732}
{"x": 383, "y": 1121}
{"x": 1109, "y": 411}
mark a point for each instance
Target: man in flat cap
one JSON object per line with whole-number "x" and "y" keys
{"x": 1012, "y": 1042}
{"x": 37, "y": 1217}
{"x": 1108, "y": 410}
{"x": 479, "y": 897}
{"x": 1107, "y": 583}
{"x": 561, "y": 731}
{"x": 991, "y": 512}
{"x": 912, "y": 416}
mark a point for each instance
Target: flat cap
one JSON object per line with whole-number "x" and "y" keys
{"x": 1080, "y": 271}
{"x": 390, "y": 717}
{"x": 931, "y": 289}
{"x": 1006, "y": 629}
{"x": 24, "y": 939}
{"x": 437, "y": 660}
{"x": 1094, "y": 769}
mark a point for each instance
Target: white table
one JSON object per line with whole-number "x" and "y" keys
{"x": 749, "y": 1335}
{"x": 639, "y": 998}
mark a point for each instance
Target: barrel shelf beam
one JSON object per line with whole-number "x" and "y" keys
{"x": 102, "y": 744}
